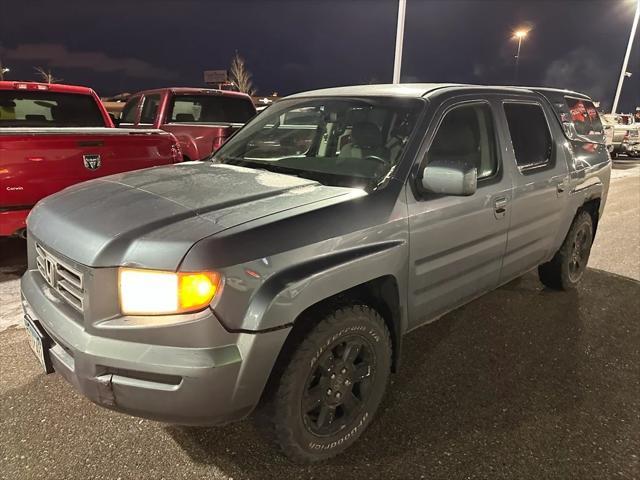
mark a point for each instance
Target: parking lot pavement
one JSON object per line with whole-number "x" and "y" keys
{"x": 617, "y": 245}
{"x": 522, "y": 383}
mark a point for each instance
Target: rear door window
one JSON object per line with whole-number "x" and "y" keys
{"x": 130, "y": 111}
{"x": 530, "y": 135}
{"x": 584, "y": 116}
{"x": 150, "y": 106}
{"x": 48, "y": 109}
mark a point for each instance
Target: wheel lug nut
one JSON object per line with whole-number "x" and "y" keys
{"x": 347, "y": 383}
{"x": 329, "y": 392}
{"x": 333, "y": 375}
{"x": 338, "y": 395}
{"x": 344, "y": 370}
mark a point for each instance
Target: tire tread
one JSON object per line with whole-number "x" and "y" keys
{"x": 277, "y": 408}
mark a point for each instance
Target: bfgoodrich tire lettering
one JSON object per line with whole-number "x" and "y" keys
{"x": 333, "y": 385}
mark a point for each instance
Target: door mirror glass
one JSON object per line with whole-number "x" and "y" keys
{"x": 450, "y": 178}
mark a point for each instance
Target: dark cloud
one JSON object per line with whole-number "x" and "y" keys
{"x": 58, "y": 56}
{"x": 585, "y": 71}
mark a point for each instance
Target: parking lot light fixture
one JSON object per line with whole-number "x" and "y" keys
{"x": 520, "y": 35}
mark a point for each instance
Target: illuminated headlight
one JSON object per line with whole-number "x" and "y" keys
{"x": 154, "y": 292}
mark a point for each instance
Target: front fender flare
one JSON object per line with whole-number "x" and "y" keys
{"x": 285, "y": 295}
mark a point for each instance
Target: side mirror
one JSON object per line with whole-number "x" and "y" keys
{"x": 445, "y": 177}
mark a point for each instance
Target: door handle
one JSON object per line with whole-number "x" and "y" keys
{"x": 500, "y": 207}
{"x": 562, "y": 186}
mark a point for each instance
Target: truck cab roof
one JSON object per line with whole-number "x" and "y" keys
{"x": 52, "y": 87}
{"x": 417, "y": 90}
{"x": 194, "y": 91}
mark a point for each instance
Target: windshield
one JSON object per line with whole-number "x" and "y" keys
{"x": 210, "y": 109}
{"x": 336, "y": 141}
{"x": 48, "y": 109}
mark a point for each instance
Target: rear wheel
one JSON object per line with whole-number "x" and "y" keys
{"x": 332, "y": 386}
{"x": 566, "y": 268}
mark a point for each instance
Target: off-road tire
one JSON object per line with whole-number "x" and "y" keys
{"x": 289, "y": 425}
{"x": 561, "y": 273}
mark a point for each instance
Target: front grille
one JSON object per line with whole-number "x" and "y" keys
{"x": 61, "y": 276}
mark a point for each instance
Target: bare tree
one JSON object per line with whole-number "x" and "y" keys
{"x": 239, "y": 75}
{"x": 46, "y": 75}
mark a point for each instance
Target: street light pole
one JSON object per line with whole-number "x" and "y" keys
{"x": 397, "y": 64}
{"x": 518, "y": 57}
{"x": 625, "y": 63}
{"x": 520, "y": 35}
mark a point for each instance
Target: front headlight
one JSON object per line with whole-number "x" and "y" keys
{"x": 155, "y": 292}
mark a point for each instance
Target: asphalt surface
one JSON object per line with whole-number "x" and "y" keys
{"x": 522, "y": 383}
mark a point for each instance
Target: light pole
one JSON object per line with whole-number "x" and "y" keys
{"x": 520, "y": 35}
{"x": 397, "y": 63}
{"x": 625, "y": 63}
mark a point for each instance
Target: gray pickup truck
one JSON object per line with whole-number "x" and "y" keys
{"x": 283, "y": 272}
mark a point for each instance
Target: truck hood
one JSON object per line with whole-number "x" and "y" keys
{"x": 151, "y": 218}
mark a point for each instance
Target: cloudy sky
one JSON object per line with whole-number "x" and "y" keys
{"x": 115, "y": 46}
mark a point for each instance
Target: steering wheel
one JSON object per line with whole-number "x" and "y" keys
{"x": 376, "y": 158}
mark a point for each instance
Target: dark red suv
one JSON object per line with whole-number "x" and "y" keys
{"x": 201, "y": 119}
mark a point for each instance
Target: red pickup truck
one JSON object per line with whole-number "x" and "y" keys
{"x": 201, "y": 119}
{"x": 53, "y": 136}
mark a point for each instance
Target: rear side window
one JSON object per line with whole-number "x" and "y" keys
{"x": 584, "y": 116}
{"x": 130, "y": 111}
{"x": 210, "y": 109}
{"x": 466, "y": 135}
{"x": 48, "y": 109}
{"x": 150, "y": 108}
{"x": 530, "y": 135}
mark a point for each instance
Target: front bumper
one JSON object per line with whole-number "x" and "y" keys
{"x": 209, "y": 385}
{"x": 631, "y": 148}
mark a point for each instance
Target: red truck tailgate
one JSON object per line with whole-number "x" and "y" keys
{"x": 198, "y": 141}
{"x": 36, "y": 162}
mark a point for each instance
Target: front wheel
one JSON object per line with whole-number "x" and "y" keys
{"x": 333, "y": 385}
{"x": 566, "y": 268}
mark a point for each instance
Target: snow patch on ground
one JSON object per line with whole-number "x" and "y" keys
{"x": 10, "y": 303}
{"x": 630, "y": 169}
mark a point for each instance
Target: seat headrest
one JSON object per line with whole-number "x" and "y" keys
{"x": 185, "y": 117}
{"x": 366, "y": 135}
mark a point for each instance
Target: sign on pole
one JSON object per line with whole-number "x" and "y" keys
{"x": 215, "y": 76}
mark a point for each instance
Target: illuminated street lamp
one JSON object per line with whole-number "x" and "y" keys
{"x": 520, "y": 35}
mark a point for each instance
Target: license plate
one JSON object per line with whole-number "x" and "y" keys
{"x": 39, "y": 343}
